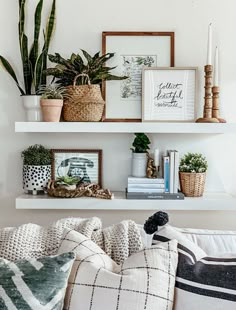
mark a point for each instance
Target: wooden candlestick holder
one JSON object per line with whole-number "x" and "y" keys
{"x": 208, "y": 118}
{"x": 215, "y": 107}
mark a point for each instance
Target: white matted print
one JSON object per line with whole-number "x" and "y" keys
{"x": 133, "y": 52}
{"x": 85, "y": 164}
{"x": 169, "y": 94}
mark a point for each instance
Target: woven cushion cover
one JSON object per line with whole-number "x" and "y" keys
{"x": 35, "y": 284}
{"x": 206, "y": 283}
{"x": 144, "y": 281}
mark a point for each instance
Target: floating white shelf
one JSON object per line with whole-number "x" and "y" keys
{"x": 210, "y": 202}
{"x": 116, "y": 127}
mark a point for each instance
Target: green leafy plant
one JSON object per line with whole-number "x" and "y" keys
{"x": 34, "y": 62}
{"x": 194, "y": 163}
{"x": 141, "y": 143}
{"x": 94, "y": 66}
{"x": 68, "y": 181}
{"x": 36, "y": 155}
{"x": 53, "y": 92}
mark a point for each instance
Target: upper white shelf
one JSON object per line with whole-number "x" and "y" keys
{"x": 125, "y": 127}
{"x": 210, "y": 202}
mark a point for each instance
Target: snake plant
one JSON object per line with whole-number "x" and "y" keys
{"x": 34, "y": 61}
{"x": 94, "y": 66}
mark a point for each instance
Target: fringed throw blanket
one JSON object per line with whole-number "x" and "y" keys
{"x": 33, "y": 241}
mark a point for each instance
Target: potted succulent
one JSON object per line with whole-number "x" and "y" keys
{"x": 83, "y": 78}
{"x": 139, "y": 155}
{"x": 52, "y": 102}
{"x": 36, "y": 169}
{"x": 67, "y": 182}
{"x": 34, "y": 60}
{"x": 193, "y": 167}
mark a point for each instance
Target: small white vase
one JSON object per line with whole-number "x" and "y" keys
{"x": 31, "y": 104}
{"x": 139, "y": 165}
{"x": 35, "y": 178}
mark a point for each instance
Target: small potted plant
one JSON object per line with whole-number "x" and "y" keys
{"x": 69, "y": 183}
{"x": 139, "y": 156}
{"x": 83, "y": 77}
{"x": 52, "y": 102}
{"x": 36, "y": 169}
{"x": 193, "y": 167}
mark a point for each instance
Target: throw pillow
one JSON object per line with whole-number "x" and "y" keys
{"x": 202, "y": 282}
{"x": 35, "y": 284}
{"x": 144, "y": 281}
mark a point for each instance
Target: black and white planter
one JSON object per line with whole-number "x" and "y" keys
{"x": 31, "y": 104}
{"x": 139, "y": 165}
{"x": 35, "y": 178}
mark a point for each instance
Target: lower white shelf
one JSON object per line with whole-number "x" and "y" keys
{"x": 210, "y": 202}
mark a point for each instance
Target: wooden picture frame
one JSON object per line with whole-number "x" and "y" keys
{"x": 72, "y": 165}
{"x": 141, "y": 47}
{"x": 169, "y": 94}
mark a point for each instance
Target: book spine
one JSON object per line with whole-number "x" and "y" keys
{"x": 146, "y": 190}
{"x": 166, "y": 166}
{"x": 146, "y": 186}
{"x": 153, "y": 196}
{"x": 172, "y": 170}
{"x": 145, "y": 181}
{"x": 176, "y": 177}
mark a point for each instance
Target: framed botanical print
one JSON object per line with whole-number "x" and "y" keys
{"x": 85, "y": 164}
{"x": 133, "y": 51}
{"x": 169, "y": 94}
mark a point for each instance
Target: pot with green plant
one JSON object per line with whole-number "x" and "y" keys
{"x": 192, "y": 172}
{"x": 36, "y": 169}
{"x": 83, "y": 77}
{"x": 34, "y": 60}
{"x": 52, "y": 102}
{"x": 139, "y": 156}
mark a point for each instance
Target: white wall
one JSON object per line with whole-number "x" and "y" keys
{"x": 79, "y": 25}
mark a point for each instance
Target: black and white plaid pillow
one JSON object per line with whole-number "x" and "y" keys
{"x": 144, "y": 281}
{"x": 206, "y": 283}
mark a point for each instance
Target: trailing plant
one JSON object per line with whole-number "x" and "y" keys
{"x": 141, "y": 143}
{"x": 94, "y": 66}
{"x": 194, "y": 163}
{"x": 53, "y": 92}
{"x": 34, "y": 61}
{"x": 36, "y": 155}
{"x": 68, "y": 181}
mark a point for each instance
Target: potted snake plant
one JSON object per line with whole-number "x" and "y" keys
{"x": 52, "y": 102}
{"x": 139, "y": 155}
{"x": 36, "y": 169}
{"x": 34, "y": 61}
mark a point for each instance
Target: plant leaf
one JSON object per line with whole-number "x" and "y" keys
{"x": 26, "y": 65}
{"x": 88, "y": 57}
{"x": 10, "y": 71}
{"x": 38, "y": 73}
{"x": 21, "y": 24}
{"x": 37, "y": 25}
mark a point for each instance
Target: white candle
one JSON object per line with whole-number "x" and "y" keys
{"x": 209, "y": 45}
{"x": 157, "y": 157}
{"x": 216, "y": 68}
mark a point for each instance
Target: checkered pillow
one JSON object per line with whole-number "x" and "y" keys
{"x": 144, "y": 281}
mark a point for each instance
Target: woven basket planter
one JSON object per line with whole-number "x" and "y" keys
{"x": 85, "y": 103}
{"x": 192, "y": 184}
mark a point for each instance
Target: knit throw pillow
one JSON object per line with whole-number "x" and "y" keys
{"x": 144, "y": 281}
{"x": 35, "y": 284}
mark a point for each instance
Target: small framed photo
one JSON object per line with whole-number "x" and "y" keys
{"x": 133, "y": 51}
{"x": 169, "y": 94}
{"x": 86, "y": 164}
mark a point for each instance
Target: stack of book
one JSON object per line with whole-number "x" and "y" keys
{"x": 145, "y": 188}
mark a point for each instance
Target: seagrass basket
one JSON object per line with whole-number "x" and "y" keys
{"x": 192, "y": 184}
{"x": 84, "y": 102}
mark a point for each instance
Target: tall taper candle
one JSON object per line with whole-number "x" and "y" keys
{"x": 157, "y": 157}
{"x": 216, "y": 68}
{"x": 209, "y": 45}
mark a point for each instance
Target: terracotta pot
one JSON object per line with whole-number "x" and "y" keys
{"x": 31, "y": 105}
{"x": 51, "y": 109}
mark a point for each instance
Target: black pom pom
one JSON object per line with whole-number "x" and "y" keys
{"x": 158, "y": 219}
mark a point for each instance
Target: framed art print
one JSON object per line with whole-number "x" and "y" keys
{"x": 133, "y": 51}
{"x": 169, "y": 94}
{"x": 86, "y": 164}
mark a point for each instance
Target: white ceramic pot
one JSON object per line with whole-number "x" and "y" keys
{"x": 35, "y": 178}
{"x": 139, "y": 165}
{"x": 31, "y": 104}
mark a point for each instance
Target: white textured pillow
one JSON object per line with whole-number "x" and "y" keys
{"x": 144, "y": 281}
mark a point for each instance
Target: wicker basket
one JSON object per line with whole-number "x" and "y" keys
{"x": 192, "y": 184}
{"x": 85, "y": 103}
